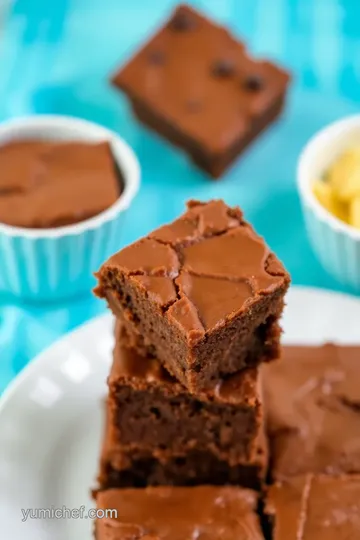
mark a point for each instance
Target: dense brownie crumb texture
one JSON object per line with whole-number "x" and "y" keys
{"x": 224, "y": 422}
{"x": 141, "y": 465}
{"x": 52, "y": 184}
{"x": 205, "y": 291}
{"x": 196, "y": 85}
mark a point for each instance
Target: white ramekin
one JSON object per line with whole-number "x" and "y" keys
{"x": 336, "y": 243}
{"x": 49, "y": 264}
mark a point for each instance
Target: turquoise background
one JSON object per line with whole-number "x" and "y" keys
{"x": 56, "y": 57}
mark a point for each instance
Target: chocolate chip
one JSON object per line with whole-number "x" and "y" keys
{"x": 193, "y": 105}
{"x": 157, "y": 57}
{"x": 254, "y": 83}
{"x": 182, "y": 21}
{"x": 223, "y": 68}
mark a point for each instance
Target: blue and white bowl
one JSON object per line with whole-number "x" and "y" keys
{"x": 49, "y": 264}
{"x": 336, "y": 244}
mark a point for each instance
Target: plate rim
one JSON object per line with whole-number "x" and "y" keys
{"x": 33, "y": 364}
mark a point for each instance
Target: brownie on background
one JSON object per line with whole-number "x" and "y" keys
{"x": 196, "y": 85}
{"x": 205, "y": 294}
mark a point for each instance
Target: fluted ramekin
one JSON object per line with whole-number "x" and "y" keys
{"x": 56, "y": 263}
{"x": 336, "y": 244}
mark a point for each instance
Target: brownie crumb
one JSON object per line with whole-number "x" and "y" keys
{"x": 223, "y": 68}
{"x": 254, "y": 83}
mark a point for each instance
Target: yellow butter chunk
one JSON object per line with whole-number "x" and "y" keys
{"x": 354, "y": 213}
{"x": 325, "y": 195}
{"x": 344, "y": 176}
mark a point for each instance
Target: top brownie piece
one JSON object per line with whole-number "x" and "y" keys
{"x": 204, "y": 292}
{"x": 179, "y": 513}
{"x": 47, "y": 184}
{"x": 312, "y": 404}
{"x": 315, "y": 508}
{"x": 195, "y": 84}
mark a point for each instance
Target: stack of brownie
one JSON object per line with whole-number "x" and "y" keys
{"x": 197, "y": 305}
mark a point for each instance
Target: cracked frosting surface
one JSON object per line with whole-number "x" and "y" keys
{"x": 180, "y": 513}
{"x": 204, "y": 268}
{"x": 312, "y": 401}
{"x": 315, "y": 507}
{"x": 49, "y": 184}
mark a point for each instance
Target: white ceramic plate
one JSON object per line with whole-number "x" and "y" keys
{"x": 50, "y": 417}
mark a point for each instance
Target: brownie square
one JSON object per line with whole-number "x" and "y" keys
{"x": 48, "y": 184}
{"x": 312, "y": 404}
{"x": 157, "y": 433}
{"x": 205, "y": 293}
{"x": 195, "y": 85}
{"x": 180, "y": 513}
{"x": 151, "y": 410}
{"x": 315, "y": 507}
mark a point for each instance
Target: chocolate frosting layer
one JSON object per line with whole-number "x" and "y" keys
{"x": 316, "y": 507}
{"x": 180, "y": 513}
{"x": 50, "y": 184}
{"x": 212, "y": 264}
{"x": 312, "y": 400}
{"x": 147, "y": 257}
